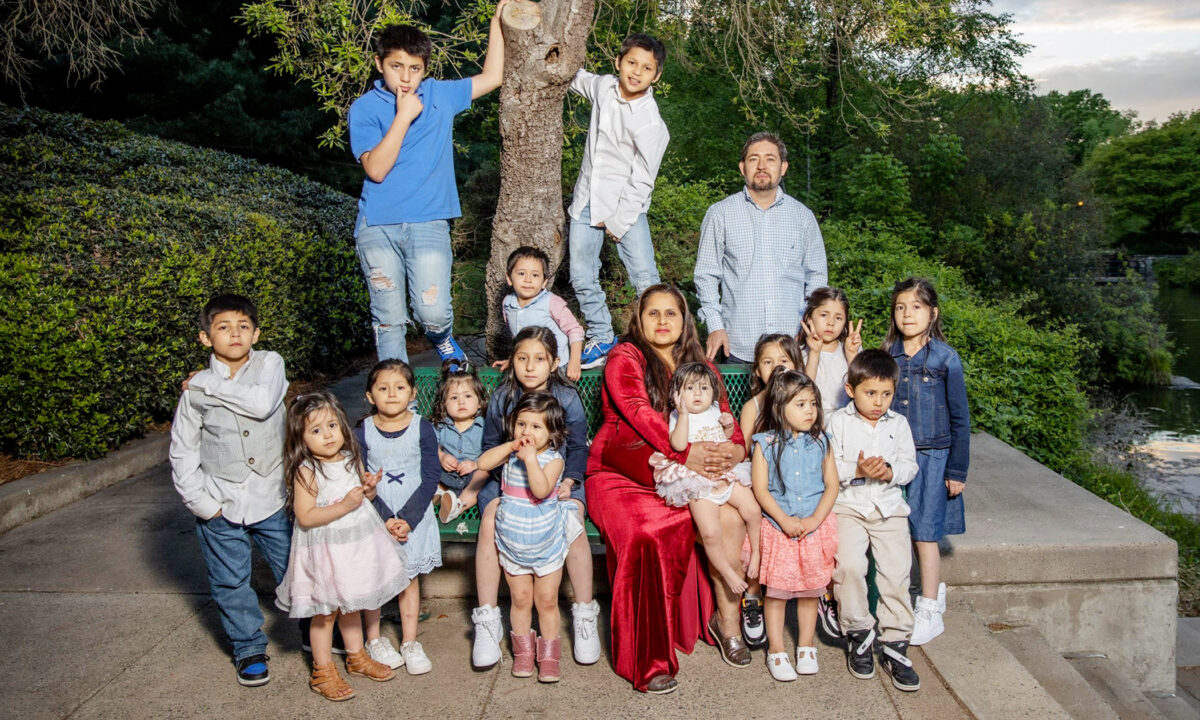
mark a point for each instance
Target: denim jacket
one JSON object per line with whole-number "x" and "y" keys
{"x": 803, "y": 479}
{"x": 933, "y": 396}
{"x": 575, "y": 452}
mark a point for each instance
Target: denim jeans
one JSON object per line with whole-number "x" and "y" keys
{"x": 406, "y": 263}
{"x": 636, "y": 252}
{"x": 226, "y": 550}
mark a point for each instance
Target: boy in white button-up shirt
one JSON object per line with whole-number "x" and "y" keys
{"x": 625, "y": 145}
{"x": 875, "y": 456}
{"x": 227, "y": 465}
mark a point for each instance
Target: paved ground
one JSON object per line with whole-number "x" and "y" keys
{"x": 106, "y": 613}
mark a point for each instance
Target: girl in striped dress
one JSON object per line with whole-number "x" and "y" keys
{"x": 533, "y": 530}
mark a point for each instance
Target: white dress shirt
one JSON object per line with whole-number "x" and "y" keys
{"x": 891, "y": 439}
{"x": 625, "y": 144}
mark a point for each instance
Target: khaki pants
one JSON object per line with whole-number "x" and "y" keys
{"x": 888, "y": 540}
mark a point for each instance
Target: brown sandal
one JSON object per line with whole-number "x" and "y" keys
{"x": 327, "y": 682}
{"x": 360, "y": 663}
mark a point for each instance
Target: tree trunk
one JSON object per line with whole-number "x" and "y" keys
{"x": 544, "y": 45}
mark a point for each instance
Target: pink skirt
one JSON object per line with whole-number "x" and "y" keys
{"x": 795, "y": 567}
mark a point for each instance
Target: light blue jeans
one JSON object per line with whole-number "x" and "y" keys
{"x": 636, "y": 252}
{"x": 406, "y": 263}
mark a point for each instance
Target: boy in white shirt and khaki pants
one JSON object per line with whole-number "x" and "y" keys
{"x": 875, "y": 456}
{"x": 625, "y": 145}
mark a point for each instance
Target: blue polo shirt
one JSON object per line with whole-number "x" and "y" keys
{"x": 420, "y": 186}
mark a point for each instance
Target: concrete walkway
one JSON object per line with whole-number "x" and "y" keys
{"x": 106, "y": 613}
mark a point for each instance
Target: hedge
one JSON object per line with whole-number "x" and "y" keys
{"x": 111, "y": 242}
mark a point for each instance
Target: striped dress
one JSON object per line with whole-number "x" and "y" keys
{"x": 530, "y": 533}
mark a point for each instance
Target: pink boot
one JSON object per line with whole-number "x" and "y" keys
{"x": 522, "y": 650}
{"x": 548, "y": 654}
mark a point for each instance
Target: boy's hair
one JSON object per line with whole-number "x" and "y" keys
{"x": 408, "y": 38}
{"x": 390, "y": 364}
{"x": 227, "y": 303}
{"x": 526, "y": 252}
{"x": 648, "y": 43}
{"x": 819, "y": 297}
{"x": 785, "y": 385}
{"x": 296, "y": 453}
{"x": 454, "y": 373}
{"x": 691, "y": 372}
{"x": 552, "y": 413}
{"x": 769, "y": 137}
{"x": 872, "y": 365}
{"x": 789, "y": 345}
{"x": 926, "y": 294}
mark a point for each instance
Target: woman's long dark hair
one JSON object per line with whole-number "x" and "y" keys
{"x": 785, "y": 385}
{"x": 687, "y": 349}
{"x": 296, "y": 453}
{"x": 926, "y": 294}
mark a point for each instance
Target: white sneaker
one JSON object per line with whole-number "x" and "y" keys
{"x": 780, "y": 667}
{"x": 488, "y": 632}
{"x": 587, "y": 637}
{"x": 927, "y": 623}
{"x": 806, "y": 660}
{"x": 381, "y": 650}
{"x": 415, "y": 659}
{"x": 941, "y": 598}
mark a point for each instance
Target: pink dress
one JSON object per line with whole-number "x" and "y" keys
{"x": 347, "y": 565}
{"x": 676, "y": 484}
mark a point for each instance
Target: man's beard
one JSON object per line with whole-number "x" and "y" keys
{"x": 762, "y": 186}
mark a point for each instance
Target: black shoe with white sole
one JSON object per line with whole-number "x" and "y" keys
{"x": 893, "y": 658}
{"x": 829, "y": 629}
{"x": 252, "y": 670}
{"x": 753, "y": 628}
{"x": 860, "y": 654}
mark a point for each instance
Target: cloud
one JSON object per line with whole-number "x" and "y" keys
{"x": 1155, "y": 85}
{"x": 1033, "y": 15}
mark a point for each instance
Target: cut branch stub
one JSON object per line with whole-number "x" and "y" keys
{"x": 522, "y": 15}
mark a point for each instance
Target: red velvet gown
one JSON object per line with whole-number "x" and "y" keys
{"x": 661, "y": 596}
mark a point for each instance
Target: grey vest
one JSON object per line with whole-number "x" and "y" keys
{"x": 537, "y": 312}
{"x": 232, "y": 445}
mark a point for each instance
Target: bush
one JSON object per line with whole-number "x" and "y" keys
{"x": 111, "y": 242}
{"x": 1179, "y": 272}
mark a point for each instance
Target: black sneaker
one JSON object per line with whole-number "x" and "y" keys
{"x": 829, "y": 629}
{"x": 252, "y": 671}
{"x": 339, "y": 648}
{"x": 860, "y": 657}
{"x": 893, "y": 657}
{"x": 753, "y": 629}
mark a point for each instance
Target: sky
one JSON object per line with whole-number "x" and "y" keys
{"x": 1142, "y": 56}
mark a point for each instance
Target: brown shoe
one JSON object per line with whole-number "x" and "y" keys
{"x": 733, "y": 649}
{"x": 662, "y": 684}
{"x": 360, "y": 663}
{"x": 327, "y": 682}
{"x": 549, "y": 652}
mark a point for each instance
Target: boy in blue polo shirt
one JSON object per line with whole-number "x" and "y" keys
{"x": 400, "y": 130}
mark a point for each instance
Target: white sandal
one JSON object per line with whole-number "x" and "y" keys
{"x": 451, "y": 508}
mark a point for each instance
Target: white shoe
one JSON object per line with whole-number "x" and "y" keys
{"x": 488, "y": 632}
{"x": 780, "y": 667}
{"x": 927, "y": 623}
{"x": 587, "y": 637}
{"x": 450, "y": 508}
{"x": 381, "y": 650}
{"x": 415, "y": 659}
{"x": 806, "y": 660}
{"x": 941, "y": 598}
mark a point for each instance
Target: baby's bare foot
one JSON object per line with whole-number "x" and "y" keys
{"x": 752, "y": 570}
{"x": 735, "y": 582}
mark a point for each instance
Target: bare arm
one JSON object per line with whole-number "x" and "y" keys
{"x": 541, "y": 479}
{"x": 830, "y": 474}
{"x": 749, "y": 417}
{"x": 492, "y": 74}
{"x": 495, "y": 457}
{"x": 679, "y": 434}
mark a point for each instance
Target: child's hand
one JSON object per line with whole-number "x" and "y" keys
{"x": 677, "y": 398}
{"x": 398, "y": 529}
{"x": 525, "y": 450}
{"x": 955, "y": 487}
{"x": 409, "y": 106}
{"x": 370, "y": 480}
{"x": 792, "y": 527}
{"x": 466, "y": 467}
{"x": 807, "y": 525}
{"x": 853, "y": 340}
{"x": 449, "y": 462}
{"x": 500, "y": 365}
{"x": 500, "y": 6}
{"x": 574, "y": 370}
{"x": 873, "y": 467}
{"x": 564, "y": 488}
{"x": 811, "y": 338}
{"x": 188, "y": 379}
{"x": 353, "y": 498}
{"x": 727, "y": 422}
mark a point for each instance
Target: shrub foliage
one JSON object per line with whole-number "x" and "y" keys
{"x": 110, "y": 243}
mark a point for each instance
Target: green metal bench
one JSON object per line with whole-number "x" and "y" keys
{"x": 465, "y": 528}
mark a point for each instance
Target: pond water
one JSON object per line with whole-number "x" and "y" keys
{"x": 1171, "y": 451}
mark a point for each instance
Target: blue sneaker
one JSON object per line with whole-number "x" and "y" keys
{"x": 252, "y": 671}
{"x": 448, "y": 349}
{"x": 595, "y": 353}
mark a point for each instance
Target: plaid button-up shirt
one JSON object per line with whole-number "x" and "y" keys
{"x": 755, "y": 268}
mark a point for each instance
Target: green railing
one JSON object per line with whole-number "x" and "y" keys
{"x": 466, "y": 527}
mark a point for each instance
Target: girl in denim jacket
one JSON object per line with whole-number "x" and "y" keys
{"x": 933, "y": 396}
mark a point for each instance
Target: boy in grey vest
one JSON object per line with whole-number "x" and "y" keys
{"x": 227, "y": 464}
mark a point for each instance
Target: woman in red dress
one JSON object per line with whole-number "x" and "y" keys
{"x": 661, "y": 598}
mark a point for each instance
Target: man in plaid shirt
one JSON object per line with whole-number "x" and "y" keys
{"x": 761, "y": 254}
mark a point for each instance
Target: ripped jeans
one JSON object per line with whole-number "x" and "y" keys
{"x": 406, "y": 263}
{"x": 636, "y": 252}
